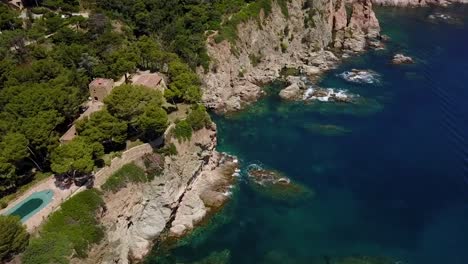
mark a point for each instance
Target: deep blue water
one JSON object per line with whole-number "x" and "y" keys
{"x": 394, "y": 185}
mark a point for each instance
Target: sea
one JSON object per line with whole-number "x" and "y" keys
{"x": 388, "y": 173}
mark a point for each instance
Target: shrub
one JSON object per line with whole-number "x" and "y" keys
{"x": 198, "y": 118}
{"x": 287, "y": 71}
{"x": 50, "y": 248}
{"x": 3, "y": 204}
{"x": 13, "y": 237}
{"x": 39, "y": 10}
{"x": 69, "y": 231}
{"x": 154, "y": 164}
{"x": 183, "y": 130}
{"x": 168, "y": 150}
{"x": 255, "y": 59}
{"x": 249, "y": 11}
{"x": 127, "y": 174}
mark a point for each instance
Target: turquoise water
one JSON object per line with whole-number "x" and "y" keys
{"x": 31, "y": 205}
{"x": 390, "y": 174}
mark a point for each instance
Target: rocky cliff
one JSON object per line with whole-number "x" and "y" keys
{"x": 193, "y": 183}
{"x": 417, "y": 2}
{"x": 298, "y": 39}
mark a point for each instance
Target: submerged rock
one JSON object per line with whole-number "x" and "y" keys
{"x": 402, "y": 59}
{"x": 327, "y": 95}
{"x": 444, "y": 18}
{"x": 360, "y": 76}
{"x": 275, "y": 185}
{"x": 219, "y": 257}
{"x": 327, "y": 130}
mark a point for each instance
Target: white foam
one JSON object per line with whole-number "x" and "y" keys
{"x": 360, "y": 76}
{"x": 308, "y": 93}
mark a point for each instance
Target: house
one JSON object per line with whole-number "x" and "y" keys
{"x": 100, "y": 88}
{"x": 150, "y": 80}
{"x": 18, "y": 4}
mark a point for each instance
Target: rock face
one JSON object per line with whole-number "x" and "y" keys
{"x": 292, "y": 92}
{"x": 276, "y": 41}
{"x": 193, "y": 182}
{"x": 417, "y": 2}
{"x": 362, "y": 26}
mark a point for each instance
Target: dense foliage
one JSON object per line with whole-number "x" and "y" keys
{"x": 182, "y": 130}
{"x": 69, "y": 231}
{"x": 45, "y": 68}
{"x": 102, "y": 127}
{"x": 198, "y": 118}
{"x": 13, "y": 237}
{"x": 129, "y": 173}
{"x": 181, "y": 24}
{"x": 74, "y": 161}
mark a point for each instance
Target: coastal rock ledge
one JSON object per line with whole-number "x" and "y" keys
{"x": 194, "y": 183}
{"x": 298, "y": 38}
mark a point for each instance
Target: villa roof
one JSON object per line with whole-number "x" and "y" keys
{"x": 102, "y": 82}
{"x": 150, "y": 80}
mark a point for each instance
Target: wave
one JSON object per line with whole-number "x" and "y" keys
{"x": 360, "y": 76}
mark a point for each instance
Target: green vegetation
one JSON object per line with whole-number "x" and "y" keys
{"x": 47, "y": 63}
{"x": 228, "y": 30}
{"x": 45, "y": 68}
{"x": 154, "y": 164}
{"x": 287, "y": 71}
{"x": 129, "y": 173}
{"x": 8, "y": 19}
{"x": 68, "y": 232}
{"x": 75, "y": 161}
{"x": 128, "y": 102}
{"x": 102, "y": 127}
{"x": 38, "y": 177}
{"x": 168, "y": 150}
{"x": 255, "y": 59}
{"x": 198, "y": 118}
{"x": 13, "y": 237}
{"x": 183, "y": 131}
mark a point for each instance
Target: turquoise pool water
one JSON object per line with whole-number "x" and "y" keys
{"x": 31, "y": 205}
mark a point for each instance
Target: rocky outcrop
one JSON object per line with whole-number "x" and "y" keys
{"x": 193, "y": 182}
{"x": 402, "y": 59}
{"x": 405, "y": 3}
{"x": 292, "y": 92}
{"x": 298, "y": 40}
{"x": 362, "y": 27}
{"x": 274, "y": 185}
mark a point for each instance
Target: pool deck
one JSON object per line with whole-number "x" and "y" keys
{"x": 59, "y": 197}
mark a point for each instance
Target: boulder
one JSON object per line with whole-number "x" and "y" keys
{"x": 292, "y": 92}
{"x": 402, "y": 59}
{"x": 311, "y": 70}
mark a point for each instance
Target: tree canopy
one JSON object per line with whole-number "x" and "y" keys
{"x": 102, "y": 127}
{"x": 13, "y": 236}
{"x": 75, "y": 160}
{"x": 128, "y": 102}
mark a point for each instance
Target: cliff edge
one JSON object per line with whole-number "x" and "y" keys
{"x": 306, "y": 37}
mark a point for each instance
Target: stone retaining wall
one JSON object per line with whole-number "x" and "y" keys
{"x": 117, "y": 163}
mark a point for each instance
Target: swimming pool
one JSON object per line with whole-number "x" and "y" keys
{"x": 31, "y": 205}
